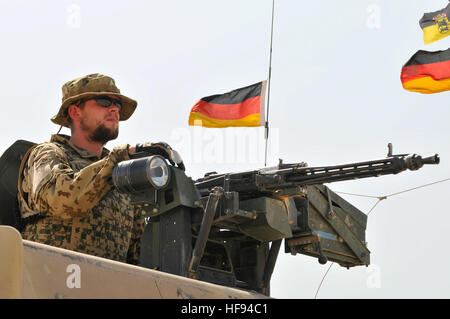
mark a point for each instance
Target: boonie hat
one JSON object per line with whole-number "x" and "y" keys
{"x": 87, "y": 87}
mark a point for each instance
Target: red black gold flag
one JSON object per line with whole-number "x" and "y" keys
{"x": 427, "y": 72}
{"x": 435, "y": 25}
{"x": 241, "y": 107}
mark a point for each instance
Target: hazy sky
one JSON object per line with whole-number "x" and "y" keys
{"x": 336, "y": 97}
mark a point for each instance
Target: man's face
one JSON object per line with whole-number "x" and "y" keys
{"x": 100, "y": 124}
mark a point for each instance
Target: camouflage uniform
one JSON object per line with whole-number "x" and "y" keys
{"x": 71, "y": 189}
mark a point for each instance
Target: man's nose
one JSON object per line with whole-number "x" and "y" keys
{"x": 114, "y": 109}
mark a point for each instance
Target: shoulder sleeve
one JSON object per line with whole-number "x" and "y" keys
{"x": 54, "y": 188}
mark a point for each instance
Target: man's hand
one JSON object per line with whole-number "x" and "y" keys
{"x": 159, "y": 148}
{"x": 131, "y": 150}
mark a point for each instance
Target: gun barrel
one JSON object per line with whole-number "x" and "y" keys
{"x": 291, "y": 175}
{"x": 414, "y": 162}
{"x": 434, "y": 159}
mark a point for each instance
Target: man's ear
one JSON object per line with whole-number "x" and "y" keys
{"x": 74, "y": 112}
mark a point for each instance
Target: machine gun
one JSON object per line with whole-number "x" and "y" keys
{"x": 219, "y": 228}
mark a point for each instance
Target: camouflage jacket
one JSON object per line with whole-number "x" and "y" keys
{"x": 70, "y": 188}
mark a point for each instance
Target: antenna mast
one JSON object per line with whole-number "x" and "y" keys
{"x": 266, "y": 135}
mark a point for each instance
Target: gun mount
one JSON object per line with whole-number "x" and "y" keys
{"x": 228, "y": 228}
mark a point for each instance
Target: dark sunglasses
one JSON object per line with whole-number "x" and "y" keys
{"x": 106, "y": 101}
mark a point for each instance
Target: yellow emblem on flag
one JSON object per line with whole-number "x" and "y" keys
{"x": 435, "y": 25}
{"x": 442, "y": 23}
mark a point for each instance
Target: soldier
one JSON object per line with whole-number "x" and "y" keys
{"x": 69, "y": 200}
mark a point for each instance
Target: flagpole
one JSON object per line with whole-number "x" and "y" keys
{"x": 266, "y": 135}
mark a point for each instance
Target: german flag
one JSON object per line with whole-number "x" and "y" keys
{"x": 435, "y": 25}
{"x": 241, "y": 107}
{"x": 427, "y": 72}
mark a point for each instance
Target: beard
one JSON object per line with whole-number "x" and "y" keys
{"x": 101, "y": 134}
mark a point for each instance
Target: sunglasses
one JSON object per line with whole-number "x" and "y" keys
{"x": 106, "y": 101}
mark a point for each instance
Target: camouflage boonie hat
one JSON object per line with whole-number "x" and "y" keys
{"x": 87, "y": 87}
